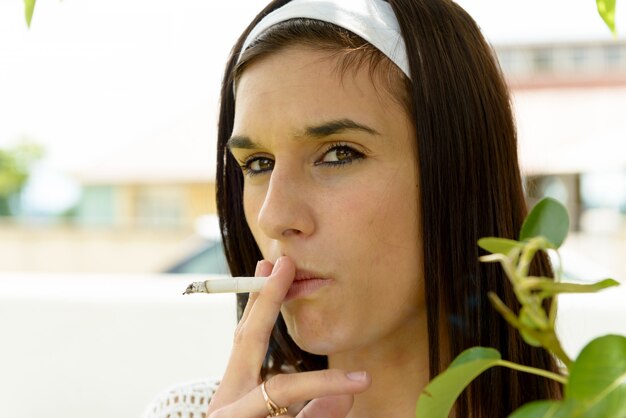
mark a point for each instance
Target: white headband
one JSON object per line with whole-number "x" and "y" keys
{"x": 372, "y": 20}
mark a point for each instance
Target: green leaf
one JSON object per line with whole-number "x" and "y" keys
{"x": 597, "y": 379}
{"x": 498, "y": 245}
{"x": 545, "y": 409}
{"x": 475, "y": 353}
{"x": 549, "y": 287}
{"x": 548, "y": 219}
{"x": 438, "y": 397}
{"x": 29, "y": 8}
{"x": 606, "y": 9}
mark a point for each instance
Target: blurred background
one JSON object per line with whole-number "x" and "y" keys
{"x": 107, "y": 165}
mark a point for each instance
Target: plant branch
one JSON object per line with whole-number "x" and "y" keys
{"x": 539, "y": 372}
{"x": 547, "y": 338}
{"x": 553, "y": 344}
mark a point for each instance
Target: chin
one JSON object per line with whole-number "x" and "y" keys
{"x": 320, "y": 348}
{"x": 313, "y": 337}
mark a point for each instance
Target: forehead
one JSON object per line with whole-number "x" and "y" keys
{"x": 301, "y": 85}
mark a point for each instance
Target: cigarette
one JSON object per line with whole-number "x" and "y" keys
{"x": 234, "y": 285}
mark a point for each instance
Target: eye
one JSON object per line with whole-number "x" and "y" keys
{"x": 257, "y": 165}
{"x": 340, "y": 154}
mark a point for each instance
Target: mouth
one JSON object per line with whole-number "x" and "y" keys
{"x": 308, "y": 275}
{"x": 305, "y": 284}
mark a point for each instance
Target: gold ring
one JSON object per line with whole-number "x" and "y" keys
{"x": 273, "y": 409}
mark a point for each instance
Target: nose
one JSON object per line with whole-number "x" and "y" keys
{"x": 286, "y": 210}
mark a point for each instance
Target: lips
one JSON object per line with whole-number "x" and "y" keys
{"x": 306, "y": 284}
{"x": 307, "y": 275}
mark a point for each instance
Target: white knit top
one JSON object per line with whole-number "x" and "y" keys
{"x": 187, "y": 400}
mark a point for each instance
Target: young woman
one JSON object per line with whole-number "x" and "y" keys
{"x": 364, "y": 147}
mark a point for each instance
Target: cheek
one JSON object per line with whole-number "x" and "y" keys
{"x": 394, "y": 241}
{"x": 252, "y": 204}
{"x": 250, "y": 211}
{"x": 392, "y": 215}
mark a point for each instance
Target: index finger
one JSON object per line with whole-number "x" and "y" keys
{"x": 263, "y": 269}
{"x": 252, "y": 336}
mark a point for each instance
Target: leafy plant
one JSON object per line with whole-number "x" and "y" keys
{"x": 594, "y": 383}
{"x": 606, "y": 9}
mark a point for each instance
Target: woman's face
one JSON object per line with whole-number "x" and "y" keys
{"x": 331, "y": 181}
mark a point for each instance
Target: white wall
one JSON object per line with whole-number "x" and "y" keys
{"x": 102, "y": 347}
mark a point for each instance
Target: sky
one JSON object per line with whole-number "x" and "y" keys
{"x": 93, "y": 77}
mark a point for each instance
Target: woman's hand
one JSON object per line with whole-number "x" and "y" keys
{"x": 239, "y": 394}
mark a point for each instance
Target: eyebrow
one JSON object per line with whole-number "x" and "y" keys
{"x": 311, "y": 132}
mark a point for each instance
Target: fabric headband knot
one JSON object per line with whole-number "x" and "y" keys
{"x": 372, "y": 20}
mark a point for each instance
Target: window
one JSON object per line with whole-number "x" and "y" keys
{"x": 161, "y": 206}
{"x": 613, "y": 55}
{"x": 579, "y": 57}
{"x": 543, "y": 60}
{"x": 97, "y": 206}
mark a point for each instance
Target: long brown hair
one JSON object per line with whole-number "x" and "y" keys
{"x": 470, "y": 187}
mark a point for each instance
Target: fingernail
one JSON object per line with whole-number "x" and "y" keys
{"x": 278, "y": 263}
{"x": 357, "y": 376}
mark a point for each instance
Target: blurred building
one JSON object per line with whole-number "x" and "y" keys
{"x": 569, "y": 101}
{"x": 572, "y": 64}
{"x": 164, "y": 180}
{"x": 138, "y": 212}
{"x": 128, "y": 200}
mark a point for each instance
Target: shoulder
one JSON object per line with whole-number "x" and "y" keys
{"x": 188, "y": 399}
